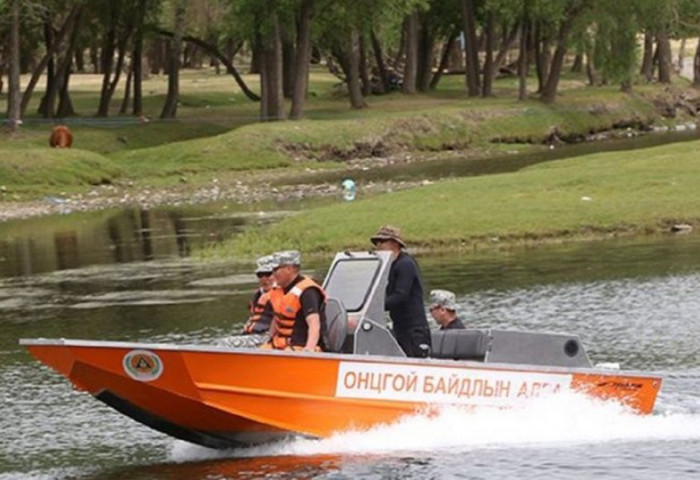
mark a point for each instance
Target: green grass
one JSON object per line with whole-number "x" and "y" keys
{"x": 608, "y": 193}
{"x": 217, "y": 129}
{"x": 55, "y": 168}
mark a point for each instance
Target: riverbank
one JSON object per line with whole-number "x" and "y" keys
{"x": 240, "y": 160}
{"x": 217, "y": 136}
{"x": 595, "y": 196}
{"x": 109, "y": 196}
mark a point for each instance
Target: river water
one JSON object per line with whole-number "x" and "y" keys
{"x": 126, "y": 276}
{"x": 632, "y": 301}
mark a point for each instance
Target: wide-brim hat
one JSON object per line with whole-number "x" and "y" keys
{"x": 387, "y": 232}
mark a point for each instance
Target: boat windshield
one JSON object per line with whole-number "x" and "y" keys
{"x": 350, "y": 281}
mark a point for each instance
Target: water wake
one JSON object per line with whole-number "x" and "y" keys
{"x": 561, "y": 420}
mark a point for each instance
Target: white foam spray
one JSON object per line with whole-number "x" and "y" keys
{"x": 563, "y": 419}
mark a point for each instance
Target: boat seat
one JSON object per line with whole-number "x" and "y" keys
{"x": 459, "y": 344}
{"x": 336, "y": 325}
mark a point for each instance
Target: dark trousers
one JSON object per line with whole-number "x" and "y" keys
{"x": 414, "y": 341}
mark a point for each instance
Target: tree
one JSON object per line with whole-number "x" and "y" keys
{"x": 137, "y": 58}
{"x": 13, "y": 104}
{"x": 410, "y": 71}
{"x": 655, "y": 19}
{"x": 260, "y": 22}
{"x": 471, "y": 49}
{"x": 571, "y": 11}
{"x": 304, "y": 14}
{"x": 51, "y": 49}
{"x": 615, "y": 27}
{"x": 174, "y": 53}
{"x": 696, "y": 66}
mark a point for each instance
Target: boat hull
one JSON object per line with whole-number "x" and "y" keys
{"x": 227, "y": 398}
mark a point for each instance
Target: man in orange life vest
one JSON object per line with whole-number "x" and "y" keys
{"x": 260, "y": 309}
{"x": 298, "y": 304}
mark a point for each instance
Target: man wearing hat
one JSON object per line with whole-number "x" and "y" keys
{"x": 260, "y": 309}
{"x": 443, "y": 308}
{"x": 404, "y": 294}
{"x": 298, "y": 304}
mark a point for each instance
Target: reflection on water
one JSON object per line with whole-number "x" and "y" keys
{"x": 116, "y": 236}
{"x": 244, "y": 468}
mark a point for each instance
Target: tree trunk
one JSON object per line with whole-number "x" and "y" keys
{"x": 94, "y": 56}
{"x": 444, "y": 60}
{"x": 593, "y": 77}
{"x": 549, "y": 91}
{"x": 696, "y": 66}
{"x": 121, "y": 52}
{"x": 175, "y": 51}
{"x": 48, "y": 100}
{"x": 288, "y": 57}
{"x": 26, "y": 56}
{"x": 681, "y": 54}
{"x": 212, "y": 50}
{"x": 137, "y": 61}
{"x": 364, "y": 74}
{"x": 272, "y": 106}
{"x": 379, "y": 60}
{"x": 194, "y": 57}
{"x": 107, "y": 59}
{"x": 577, "y": 67}
{"x": 471, "y": 48}
{"x": 157, "y": 54}
{"x": 665, "y": 59}
{"x": 302, "y": 58}
{"x": 411, "y": 65}
{"x": 426, "y": 45}
{"x": 647, "y": 68}
{"x": 543, "y": 55}
{"x": 13, "y": 100}
{"x": 356, "y": 99}
{"x": 231, "y": 48}
{"x": 65, "y": 105}
{"x": 80, "y": 60}
{"x": 489, "y": 65}
{"x": 505, "y": 46}
{"x": 523, "y": 58}
{"x": 39, "y": 69}
{"x": 456, "y": 57}
{"x": 127, "y": 92}
{"x": 255, "y": 61}
{"x": 401, "y": 50}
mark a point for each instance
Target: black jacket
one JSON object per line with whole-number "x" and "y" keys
{"x": 404, "y": 295}
{"x": 453, "y": 325}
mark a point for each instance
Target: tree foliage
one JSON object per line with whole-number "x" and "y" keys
{"x": 374, "y": 46}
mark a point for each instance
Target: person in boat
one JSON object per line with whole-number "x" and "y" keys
{"x": 443, "y": 309}
{"x": 404, "y": 294}
{"x": 260, "y": 318}
{"x": 298, "y": 304}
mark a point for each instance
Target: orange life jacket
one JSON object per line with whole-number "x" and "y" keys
{"x": 256, "y": 310}
{"x": 286, "y": 307}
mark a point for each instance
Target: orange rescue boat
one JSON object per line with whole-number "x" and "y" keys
{"x": 227, "y": 397}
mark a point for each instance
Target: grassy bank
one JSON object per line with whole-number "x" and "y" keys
{"x": 217, "y": 131}
{"x": 41, "y": 169}
{"x": 596, "y": 195}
